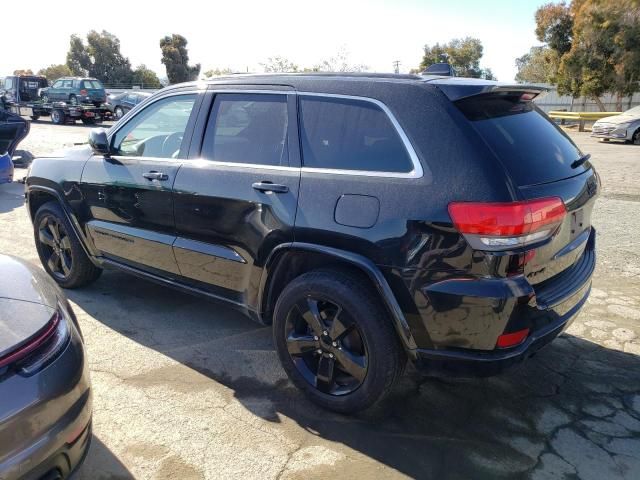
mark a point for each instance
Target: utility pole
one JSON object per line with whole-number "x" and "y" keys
{"x": 396, "y": 66}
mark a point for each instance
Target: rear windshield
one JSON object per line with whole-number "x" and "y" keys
{"x": 91, "y": 84}
{"x": 532, "y": 148}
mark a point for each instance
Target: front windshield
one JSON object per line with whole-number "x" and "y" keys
{"x": 633, "y": 111}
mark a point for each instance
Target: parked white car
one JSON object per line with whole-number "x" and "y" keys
{"x": 625, "y": 127}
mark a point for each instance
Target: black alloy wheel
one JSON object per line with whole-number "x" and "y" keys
{"x": 56, "y": 245}
{"x": 335, "y": 340}
{"x": 60, "y": 250}
{"x": 325, "y": 346}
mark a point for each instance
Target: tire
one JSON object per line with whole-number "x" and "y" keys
{"x": 118, "y": 112}
{"x": 45, "y": 99}
{"x": 635, "y": 139}
{"x": 61, "y": 254}
{"x": 363, "y": 337}
{"x": 73, "y": 100}
{"x": 58, "y": 117}
{"x": 35, "y": 117}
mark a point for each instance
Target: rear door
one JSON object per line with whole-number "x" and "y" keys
{"x": 129, "y": 194}
{"x": 236, "y": 196}
{"x": 542, "y": 161}
{"x": 55, "y": 90}
{"x": 95, "y": 90}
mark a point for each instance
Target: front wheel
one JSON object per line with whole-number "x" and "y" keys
{"x": 119, "y": 113}
{"x": 636, "y": 137}
{"x": 59, "y": 249}
{"x": 336, "y": 341}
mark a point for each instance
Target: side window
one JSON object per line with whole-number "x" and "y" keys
{"x": 131, "y": 99}
{"x": 157, "y": 131}
{"x": 57, "y": 84}
{"x": 67, "y": 84}
{"x": 8, "y": 83}
{"x": 248, "y": 128}
{"x": 350, "y": 134}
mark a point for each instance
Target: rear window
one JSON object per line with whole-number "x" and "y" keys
{"x": 531, "y": 147}
{"x": 91, "y": 84}
{"x": 350, "y": 134}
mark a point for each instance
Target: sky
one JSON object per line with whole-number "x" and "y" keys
{"x": 241, "y": 35}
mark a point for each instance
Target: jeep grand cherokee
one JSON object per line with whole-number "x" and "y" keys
{"x": 369, "y": 219}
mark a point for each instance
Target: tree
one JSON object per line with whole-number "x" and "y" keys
{"x": 217, "y": 72}
{"x": 601, "y": 50}
{"x": 23, "y": 72}
{"x": 145, "y": 77}
{"x": 175, "y": 57}
{"x": 54, "y": 72}
{"x": 554, "y": 26}
{"x": 78, "y": 59}
{"x": 540, "y": 65}
{"x": 338, "y": 63}
{"x": 279, "y": 64}
{"x": 463, "y": 54}
{"x": 100, "y": 58}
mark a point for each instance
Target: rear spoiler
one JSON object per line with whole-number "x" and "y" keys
{"x": 459, "y": 88}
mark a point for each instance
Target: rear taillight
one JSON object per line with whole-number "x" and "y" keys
{"x": 504, "y": 226}
{"x": 83, "y": 92}
{"x": 46, "y": 333}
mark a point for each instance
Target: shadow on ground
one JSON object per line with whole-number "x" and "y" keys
{"x": 573, "y": 410}
{"x": 102, "y": 464}
{"x": 12, "y": 194}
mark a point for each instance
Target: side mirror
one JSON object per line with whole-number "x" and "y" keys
{"x": 99, "y": 142}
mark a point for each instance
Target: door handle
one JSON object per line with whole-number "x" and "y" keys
{"x": 270, "y": 187}
{"x": 153, "y": 175}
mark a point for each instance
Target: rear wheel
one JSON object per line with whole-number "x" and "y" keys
{"x": 35, "y": 117}
{"x": 336, "y": 342}
{"x": 119, "y": 112}
{"x": 73, "y": 100}
{"x": 58, "y": 117}
{"x": 59, "y": 249}
{"x": 636, "y": 137}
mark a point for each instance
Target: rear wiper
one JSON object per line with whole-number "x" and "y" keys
{"x": 581, "y": 160}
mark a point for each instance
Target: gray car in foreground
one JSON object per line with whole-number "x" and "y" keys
{"x": 625, "y": 127}
{"x": 45, "y": 396}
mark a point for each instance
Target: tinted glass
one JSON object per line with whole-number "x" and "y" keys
{"x": 91, "y": 84}
{"x": 57, "y": 84}
{"x": 531, "y": 147}
{"x": 8, "y": 83}
{"x": 247, "y": 128}
{"x": 67, "y": 84}
{"x": 157, "y": 131}
{"x": 350, "y": 134}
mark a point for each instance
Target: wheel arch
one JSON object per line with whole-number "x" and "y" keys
{"x": 38, "y": 195}
{"x": 288, "y": 261}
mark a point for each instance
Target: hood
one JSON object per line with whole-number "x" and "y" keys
{"x": 618, "y": 119}
{"x": 28, "y": 299}
{"x": 21, "y": 281}
{"x": 13, "y": 129}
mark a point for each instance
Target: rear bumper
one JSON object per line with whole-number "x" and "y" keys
{"x": 47, "y": 417}
{"x": 6, "y": 169}
{"x": 474, "y": 363}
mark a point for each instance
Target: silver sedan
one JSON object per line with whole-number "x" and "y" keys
{"x": 625, "y": 127}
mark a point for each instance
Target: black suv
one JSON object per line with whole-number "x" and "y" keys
{"x": 370, "y": 219}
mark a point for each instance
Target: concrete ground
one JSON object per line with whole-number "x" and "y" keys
{"x": 187, "y": 389}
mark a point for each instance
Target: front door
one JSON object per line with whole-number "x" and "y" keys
{"x": 129, "y": 193}
{"x": 236, "y": 196}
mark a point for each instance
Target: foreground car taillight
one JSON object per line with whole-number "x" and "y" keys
{"x": 505, "y": 226}
{"x": 43, "y": 347}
